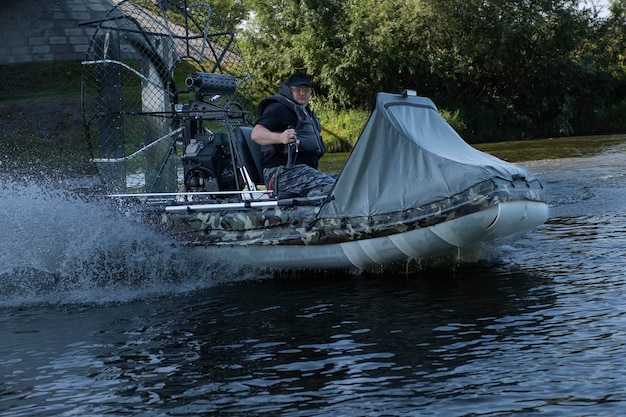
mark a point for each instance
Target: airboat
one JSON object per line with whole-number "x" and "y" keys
{"x": 168, "y": 115}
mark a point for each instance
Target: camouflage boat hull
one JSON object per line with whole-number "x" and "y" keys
{"x": 292, "y": 233}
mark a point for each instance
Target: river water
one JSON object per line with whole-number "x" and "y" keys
{"x": 101, "y": 317}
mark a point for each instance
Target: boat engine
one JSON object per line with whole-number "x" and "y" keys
{"x": 207, "y": 164}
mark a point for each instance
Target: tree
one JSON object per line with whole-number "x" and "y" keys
{"x": 510, "y": 67}
{"x": 351, "y": 47}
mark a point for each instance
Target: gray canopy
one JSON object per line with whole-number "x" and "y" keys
{"x": 408, "y": 156}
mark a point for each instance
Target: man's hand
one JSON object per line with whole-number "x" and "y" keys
{"x": 288, "y": 136}
{"x": 264, "y": 136}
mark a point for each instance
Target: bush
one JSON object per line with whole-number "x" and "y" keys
{"x": 340, "y": 128}
{"x": 454, "y": 119}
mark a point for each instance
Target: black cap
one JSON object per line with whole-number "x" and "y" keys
{"x": 298, "y": 79}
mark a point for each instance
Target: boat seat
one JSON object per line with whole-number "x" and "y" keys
{"x": 250, "y": 153}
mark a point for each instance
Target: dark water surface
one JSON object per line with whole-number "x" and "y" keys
{"x": 100, "y": 317}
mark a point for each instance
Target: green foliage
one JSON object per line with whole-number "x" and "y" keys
{"x": 233, "y": 12}
{"x": 503, "y": 68}
{"x": 454, "y": 119}
{"x": 349, "y": 46}
{"x": 498, "y": 69}
{"x": 341, "y": 129}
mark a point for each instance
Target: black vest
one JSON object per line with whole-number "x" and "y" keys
{"x": 308, "y": 129}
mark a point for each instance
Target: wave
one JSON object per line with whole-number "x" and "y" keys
{"x": 60, "y": 246}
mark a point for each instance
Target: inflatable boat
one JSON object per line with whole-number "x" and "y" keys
{"x": 183, "y": 159}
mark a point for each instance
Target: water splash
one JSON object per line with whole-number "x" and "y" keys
{"x": 58, "y": 247}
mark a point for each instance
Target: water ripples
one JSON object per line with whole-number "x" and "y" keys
{"x": 538, "y": 327}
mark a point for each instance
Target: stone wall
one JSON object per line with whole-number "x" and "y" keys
{"x": 47, "y": 30}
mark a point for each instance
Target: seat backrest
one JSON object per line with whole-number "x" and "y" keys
{"x": 250, "y": 153}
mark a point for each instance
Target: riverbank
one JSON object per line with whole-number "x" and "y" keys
{"x": 46, "y": 134}
{"x": 41, "y": 126}
{"x": 42, "y": 133}
{"x": 43, "y": 136}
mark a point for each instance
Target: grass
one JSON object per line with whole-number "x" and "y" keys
{"x": 552, "y": 148}
{"x": 36, "y": 80}
{"x": 333, "y": 162}
{"x": 41, "y": 129}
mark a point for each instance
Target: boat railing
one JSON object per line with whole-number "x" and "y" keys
{"x": 257, "y": 204}
{"x": 243, "y": 195}
{"x": 139, "y": 151}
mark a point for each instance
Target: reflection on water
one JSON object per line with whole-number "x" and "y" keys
{"x": 537, "y": 327}
{"x": 289, "y": 346}
{"x": 477, "y": 338}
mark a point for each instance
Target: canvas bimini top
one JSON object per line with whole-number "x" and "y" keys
{"x": 407, "y": 156}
